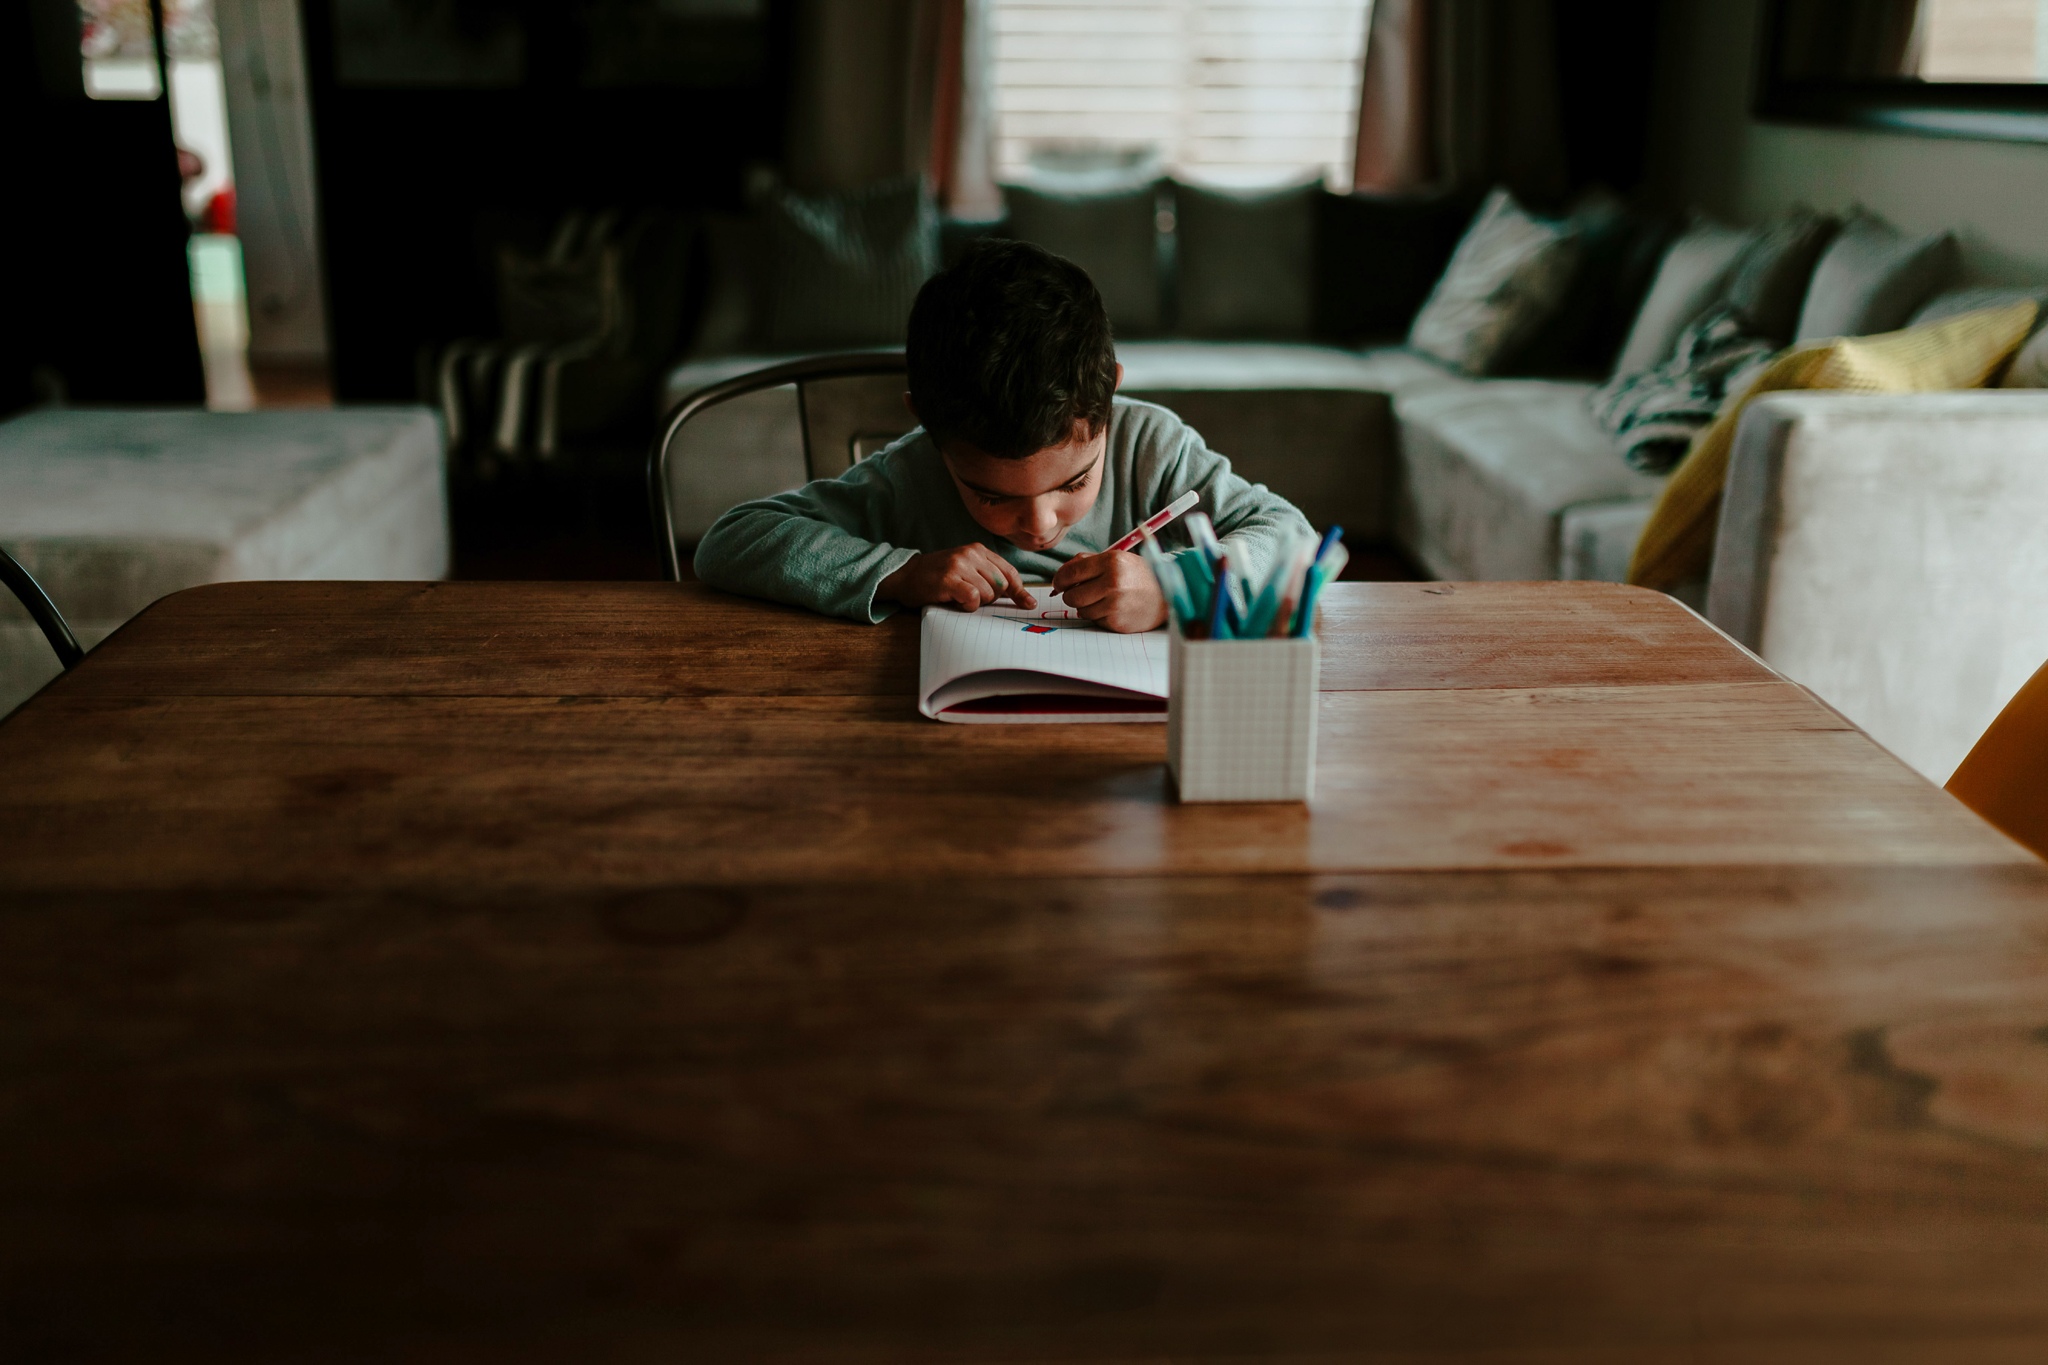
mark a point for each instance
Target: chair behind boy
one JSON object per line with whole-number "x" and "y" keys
{"x": 847, "y": 407}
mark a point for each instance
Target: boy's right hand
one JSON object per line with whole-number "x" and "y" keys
{"x": 968, "y": 577}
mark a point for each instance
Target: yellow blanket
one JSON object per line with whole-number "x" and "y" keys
{"x": 1956, "y": 353}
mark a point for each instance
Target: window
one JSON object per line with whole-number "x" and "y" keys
{"x": 1226, "y": 92}
{"x": 1982, "y": 40}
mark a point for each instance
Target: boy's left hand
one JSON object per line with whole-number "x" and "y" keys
{"x": 1115, "y": 591}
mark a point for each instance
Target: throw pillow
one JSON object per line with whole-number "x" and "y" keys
{"x": 1245, "y": 263}
{"x": 845, "y": 268}
{"x": 1689, "y": 281}
{"x": 1619, "y": 249}
{"x": 1872, "y": 278}
{"x": 1955, "y": 302}
{"x": 1956, "y": 353}
{"x": 728, "y": 319}
{"x": 1771, "y": 277}
{"x": 1654, "y": 414}
{"x": 1507, "y": 277}
{"x": 2029, "y": 369}
{"x": 1376, "y": 258}
{"x": 1112, "y": 234}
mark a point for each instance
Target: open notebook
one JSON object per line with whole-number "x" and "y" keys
{"x": 1005, "y": 664}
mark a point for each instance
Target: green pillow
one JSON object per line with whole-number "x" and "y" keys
{"x": 1246, "y": 261}
{"x": 843, "y": 269}
{"x": 1113, "y": 235}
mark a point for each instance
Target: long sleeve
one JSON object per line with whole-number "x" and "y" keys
{"x": 829, "y": 544}
{"x": 823, "y": 546}
{"x": 1255, "y": 523}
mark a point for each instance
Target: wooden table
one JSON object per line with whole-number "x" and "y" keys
{"x": 573, "y": 972}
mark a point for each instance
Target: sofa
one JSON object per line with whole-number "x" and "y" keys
{"x": 1290, "y": 329}
{"x": 1886, "y": 551}
{"x": 1475, "y": 477}
{"x": 112, "y": 509}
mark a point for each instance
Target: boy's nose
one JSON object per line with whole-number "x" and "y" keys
{"x": 1044, "y": 520}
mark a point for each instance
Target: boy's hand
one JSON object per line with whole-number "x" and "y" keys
{"x": 1115, "y": 591}
{"x": 968, "y": 577}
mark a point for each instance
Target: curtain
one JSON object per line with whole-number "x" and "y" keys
{"x": 1848, "y": 40}
{"x": 970, "y": 187}
{"x": 888, "y": 88}
{"x": 1461, "y": 94}
{"x": 1396, "y": 149}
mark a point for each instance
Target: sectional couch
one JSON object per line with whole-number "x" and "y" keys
{"x": 1254, "y": 318}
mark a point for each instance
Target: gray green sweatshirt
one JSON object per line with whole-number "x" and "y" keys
{"x": 829, "y": 544}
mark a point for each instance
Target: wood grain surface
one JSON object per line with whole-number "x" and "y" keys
{"x": 458, "y": 791}
{"x": 683, "y": 639}
{"x": 540, "y": 972}
{"x": 1606, "y": 1116}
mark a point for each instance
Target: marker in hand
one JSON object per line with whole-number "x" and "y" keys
{"x": 1155, "y": 522}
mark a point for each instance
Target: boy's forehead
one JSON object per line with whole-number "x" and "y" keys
{"x": 1042, "y": 472}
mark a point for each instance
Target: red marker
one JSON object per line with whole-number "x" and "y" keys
{"x": 1154, "y": 522}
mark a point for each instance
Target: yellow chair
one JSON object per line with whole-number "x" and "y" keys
{"x": 2005, "y": 777}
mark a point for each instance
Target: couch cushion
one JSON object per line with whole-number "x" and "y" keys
{"x": 846, "y": 267}
{"x": 1507, "y": 278}
{"x": 1620, "y": 249}
{"x": 1111, "y": 234}
{"x": 1377, "y": 257}
{"x": 1771, "y": 277}
{"x": 729, "y": 320}
{"x": 1595, "y": 539}
{"x": 2029, "y": 368}
{"x": 1274, "y": 365}
{"x": 1488, "y": 467}
{"x": 1245, "y": 261}
{"x": 1689, "y": 281}
{"x": 1873, "y": 278}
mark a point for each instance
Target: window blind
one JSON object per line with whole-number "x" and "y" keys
{"x": 1228, "y": 92}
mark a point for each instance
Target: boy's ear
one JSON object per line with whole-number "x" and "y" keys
{"x": 1119, "y": 377}
{"x": 911, "y": 407}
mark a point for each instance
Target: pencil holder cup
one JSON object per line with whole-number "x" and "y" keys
{"x": 1241, "y": 718}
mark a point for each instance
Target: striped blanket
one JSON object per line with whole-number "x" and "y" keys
{"x": 1654, "y": 414}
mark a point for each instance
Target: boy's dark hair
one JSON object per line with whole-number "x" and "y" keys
{"x": 1008, "y": 348}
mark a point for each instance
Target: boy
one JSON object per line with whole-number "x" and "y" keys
{"x": 1027, "y": 465}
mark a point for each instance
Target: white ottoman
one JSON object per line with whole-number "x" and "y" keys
{"x": 113, "y": 509}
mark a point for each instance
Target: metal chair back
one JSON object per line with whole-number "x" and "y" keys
{"x": 32, "y": 596}
{"x": 849, "y": 406}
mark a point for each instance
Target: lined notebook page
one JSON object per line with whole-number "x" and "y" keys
{"x": 955, "y": 645}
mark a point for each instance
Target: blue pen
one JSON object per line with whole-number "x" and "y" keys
{"x": 1320, "y": 569}
{"x": 1219, "y": 611}
{"x": 1326, "y": 569}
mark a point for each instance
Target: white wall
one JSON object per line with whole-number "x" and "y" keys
{"x": 264, "y": 66}
{"x": 1709, "y": 153}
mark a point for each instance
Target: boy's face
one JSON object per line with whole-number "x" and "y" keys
{"x": 1033, "y": 501}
